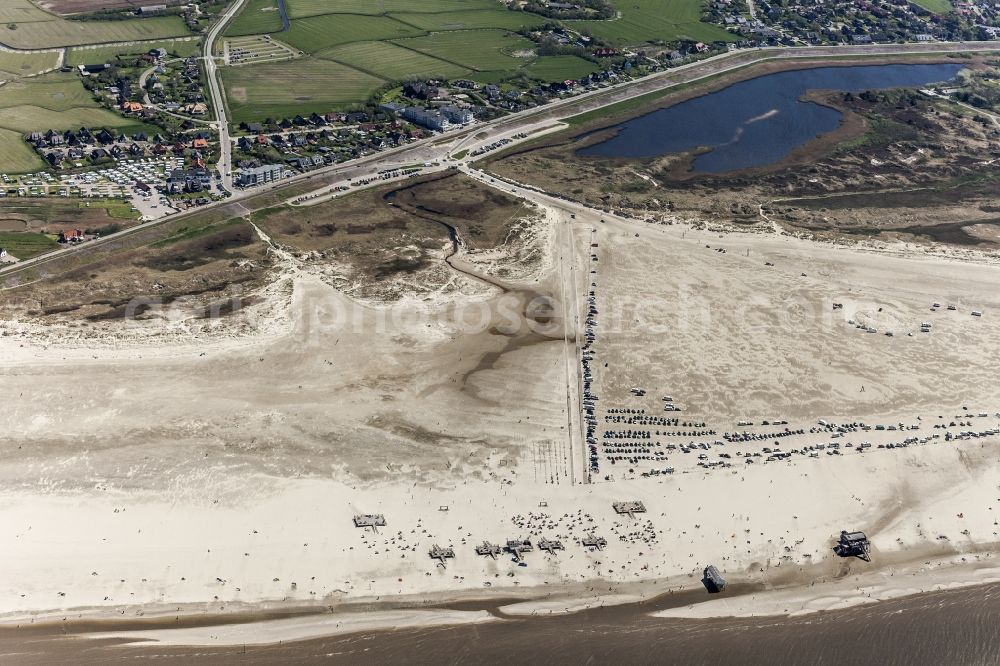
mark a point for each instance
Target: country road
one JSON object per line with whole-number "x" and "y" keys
{"x": 215, "y": 90}
{"x": 438, "y": 147}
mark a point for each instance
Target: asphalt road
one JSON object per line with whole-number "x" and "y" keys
{"x": 215, "y": 90}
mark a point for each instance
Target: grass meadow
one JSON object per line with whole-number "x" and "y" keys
{"x": 303, "y": 8}
{"x": 370, "y": 43}
{"x": 321, "y": 32}
{"x": 15, "y": 65}
{"x": 15, "y": 155}
{"x": 25, "y": 26}
{"x": 91, "y": 55}
{"x": 291, "y": 87}
{"x": 652, "y": 20}
{"x": 389, "y": 61}
{"x": 479, "y": 50}
{"x": 257, "y": 18}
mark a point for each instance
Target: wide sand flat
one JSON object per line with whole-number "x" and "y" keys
{"x": 226, "y": 473}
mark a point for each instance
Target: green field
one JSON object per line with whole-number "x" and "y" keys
{"x": 560, "y": 68}
{"x": 16, "y": 156}
{"x": 33, "y": 118}
{"x": 257, "y": 18}
{"x": 652, "y": 20}
{"x": 90, "y": 55}
{"x": 303, "y": 8}
{"x": 388, "y": 61}
{"x": 470, "y": 20}
{"x": 54, "y": 101}
{"x": 480, "y": 50}
{"x": 21, "y": 11}
{"x": 55, "y": 91}
{"x": 14, "y": 65}
{"x": 936, "y": 6}
{"x": 284, "y": 89}
{"x": 322, "y": 32}
{"x": 369, "y": 43}
{"x": 25, "y": 245}
{"x": 41, "y": 30}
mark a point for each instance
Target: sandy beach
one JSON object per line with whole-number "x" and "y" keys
{"x": 223, "y": 474}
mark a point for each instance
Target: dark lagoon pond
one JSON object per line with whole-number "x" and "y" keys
{"x": 756, "y": 122}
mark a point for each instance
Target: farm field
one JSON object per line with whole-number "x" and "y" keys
{"x": 28, "y": 225}
{"x": 25, "y": 245}
{"x": 258, "y": 17}
{"x": 936, "y": 6}
{"x": 33, "y": 118}
{"x": 15, "y": 65}
{"x": 66, "y": 7}
{"x": 379, "y": 41}
{"x": 469, "y": 20}
{"x": 55, "y": 91}
{"x": 303, "y": 8}
{"x": 55, "y": 32}
{"x": 322, "y": 32}
{"x": 15, "y": 155}
{"x": 649, "y": 20}
{"x": 53, "y": 101}
{"x": 17, "y": 11}
{"x": 556, "y": 68}
{"x": 292, "y": 87}
{"x": 480, "y": 50}
{"x": 88, "y": 55}
{"x": 38, "y": 213}
{"x": 388, "y": 61}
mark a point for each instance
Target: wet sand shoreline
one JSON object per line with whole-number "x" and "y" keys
{"x": 626, "y": 632}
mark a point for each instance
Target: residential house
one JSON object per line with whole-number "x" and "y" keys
{"x": 456, "y": 114}
{"x": 265, "y": 173}
{"x": 192, "y": 180}
{"x": 424, "y": 91}
{"x": 71, "y": 236}
{"x": 430, "y": 119}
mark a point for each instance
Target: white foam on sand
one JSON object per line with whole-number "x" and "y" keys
{"x": 298, "y": 629}
{"x": 835, "y": 595}
{"x": 565, "y": 605}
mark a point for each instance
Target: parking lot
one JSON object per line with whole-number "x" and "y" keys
{"x": 114, "y": 182}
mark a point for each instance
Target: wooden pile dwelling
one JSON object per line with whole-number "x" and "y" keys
{"x": 439, "y": 553}
{"x": 489, "y": 549}
{"x": 517, "y": 547}
{"x": 372, "y": 520}
{"x": 550, "y": 545}
{"x": 630, "y": 508}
